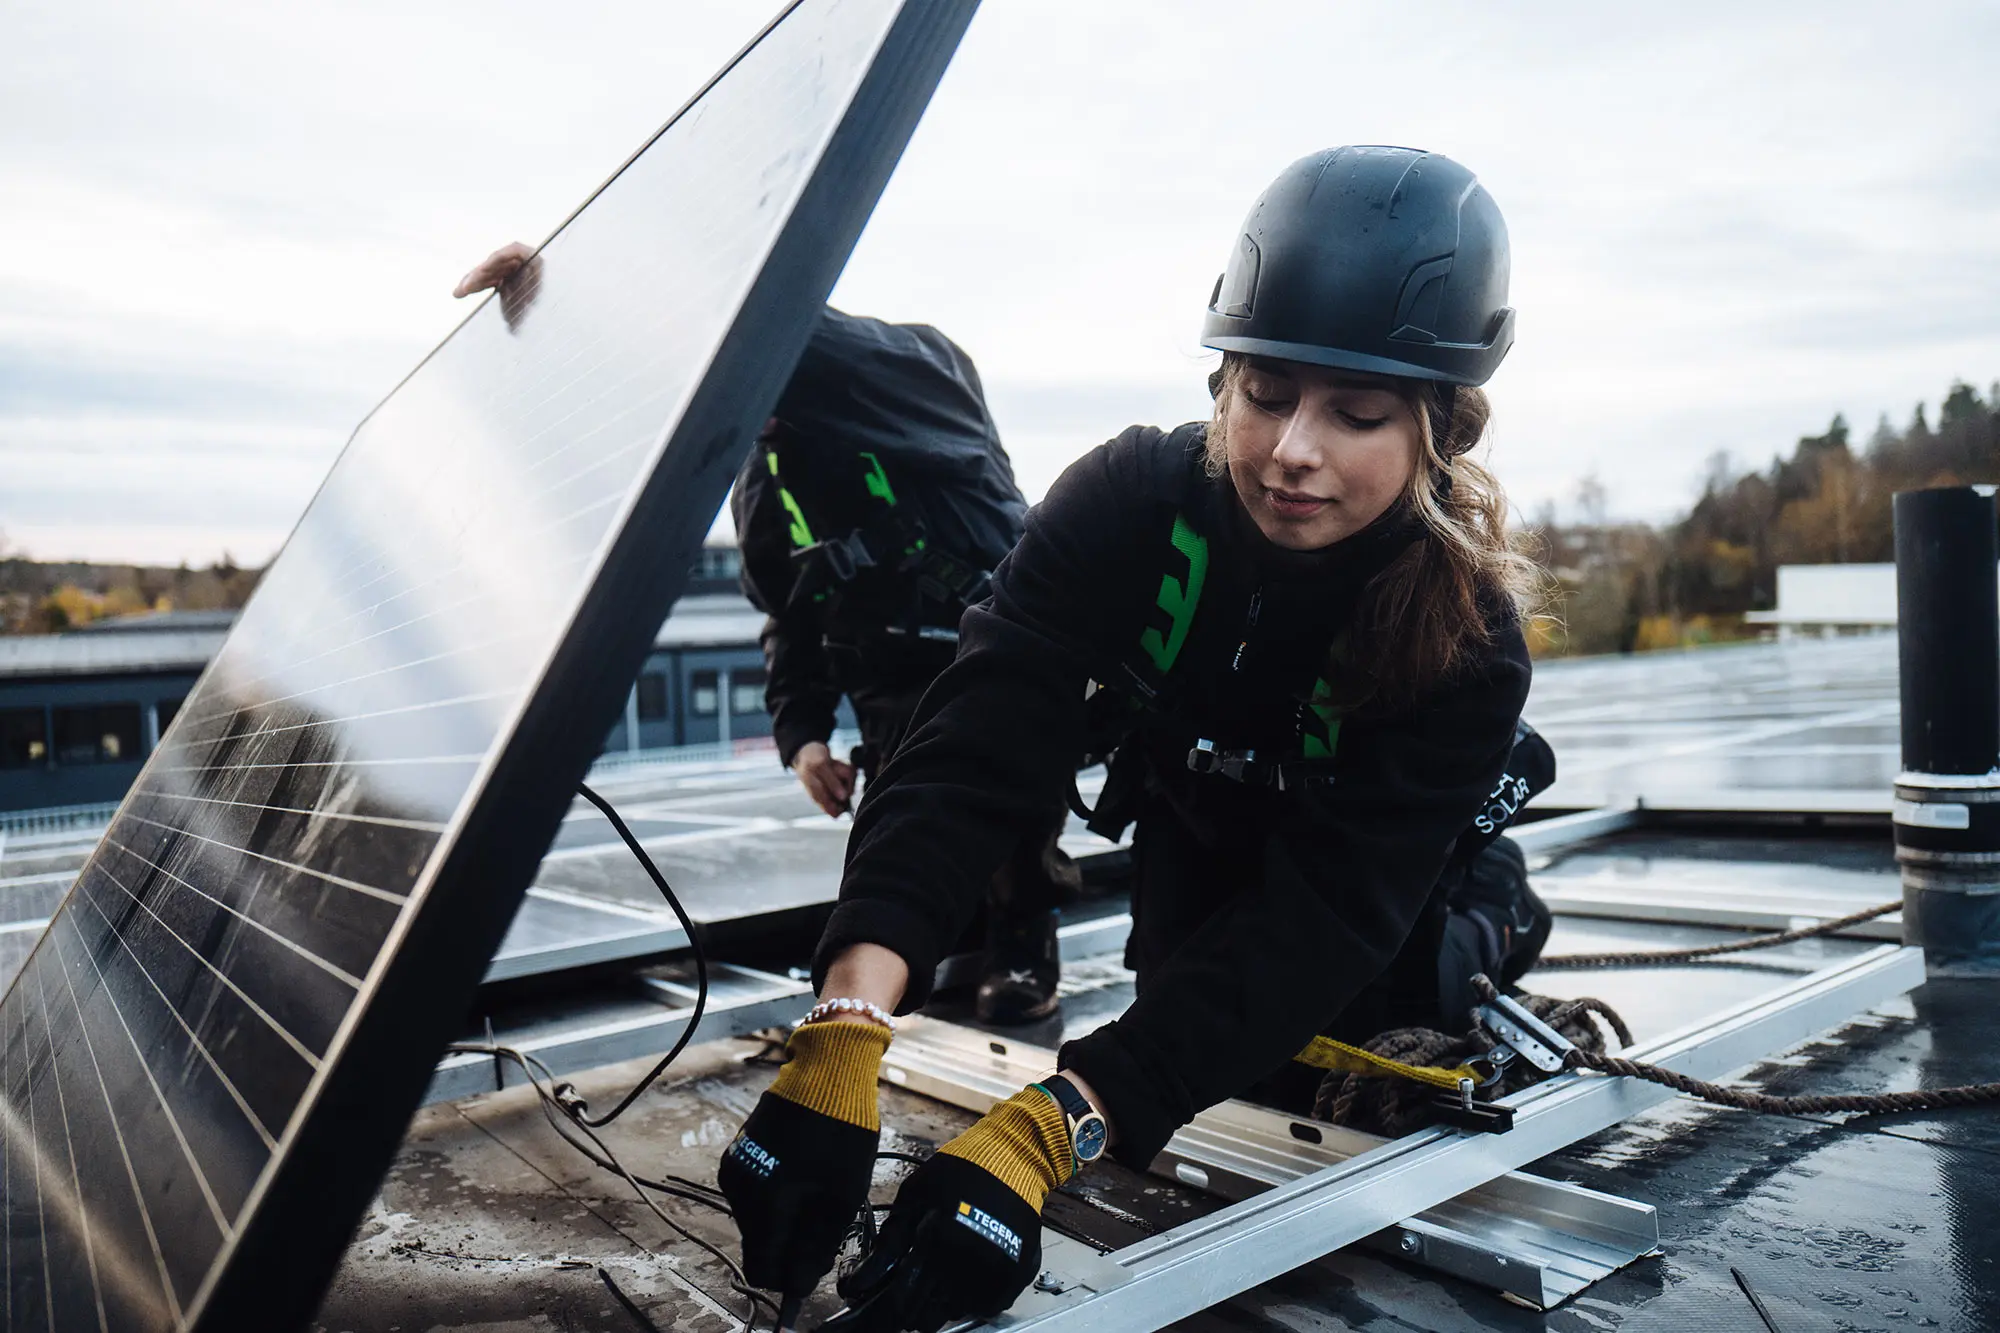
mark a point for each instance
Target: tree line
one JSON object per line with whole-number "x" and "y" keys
{"x": 47, "y": 597}
{"x": 1624, "y": 587}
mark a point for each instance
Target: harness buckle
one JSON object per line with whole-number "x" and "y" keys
{"x": 846, "y": 556}
{"x": 1236, "y": 765}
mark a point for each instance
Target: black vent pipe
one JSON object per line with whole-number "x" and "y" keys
{"x": 1947, "y": 806}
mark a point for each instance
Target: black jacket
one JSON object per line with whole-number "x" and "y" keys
{"x": 1332, "y": 876}
{"x": 866, "y": 394}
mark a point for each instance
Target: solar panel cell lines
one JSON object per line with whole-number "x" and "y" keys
{"x": 207, "y": 1058}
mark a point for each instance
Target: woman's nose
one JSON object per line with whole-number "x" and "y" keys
{"x": 1298, "y": 447}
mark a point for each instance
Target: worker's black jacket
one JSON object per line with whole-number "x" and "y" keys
{"x": 1332, "y": 876}
{"x": 901, "y": 405}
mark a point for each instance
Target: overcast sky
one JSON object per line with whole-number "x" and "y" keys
{"x": 226, "y": 228}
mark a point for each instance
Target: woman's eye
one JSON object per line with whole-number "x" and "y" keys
{"x": 1266, "y": 402}
{"x": 1363, "y": 423}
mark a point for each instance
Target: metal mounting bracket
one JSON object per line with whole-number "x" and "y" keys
{"x": 1522, "y": 1034}
{"x": 1540, "y": 1241}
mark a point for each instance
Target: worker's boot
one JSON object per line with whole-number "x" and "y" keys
{"x": 1017, "y": 983}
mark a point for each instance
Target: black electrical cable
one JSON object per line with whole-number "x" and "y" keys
{"x": 644, "y": 1320}
{"x": 578, "y": 1108}
{"x": 562, "y": 1118}
{"x": 565, "y": 1108}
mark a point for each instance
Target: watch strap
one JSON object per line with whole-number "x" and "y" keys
{"x": 1074, "y": 1104}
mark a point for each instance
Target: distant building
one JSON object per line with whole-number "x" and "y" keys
{"x": 1831, "y": 599}
{"x": 81, "y": 711}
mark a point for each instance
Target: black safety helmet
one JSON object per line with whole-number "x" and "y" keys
{"x": 1389, "y": 260}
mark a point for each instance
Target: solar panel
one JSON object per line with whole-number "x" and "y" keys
{"x": 211, "y": 1053}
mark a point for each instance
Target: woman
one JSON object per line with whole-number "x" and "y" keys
{"x": 1304, "y": 610}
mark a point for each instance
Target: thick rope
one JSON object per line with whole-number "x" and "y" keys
{"x": 1573, "y": 961}
{"x": 1395, "y": 1106}
{"x": 1881, "y": 1103}
{"x": 1874, "y": 1103}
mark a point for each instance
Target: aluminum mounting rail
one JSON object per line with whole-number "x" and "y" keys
{"x": 1203, "y": 1262}
{"x": 1547, "y": 835}
{"x": 1540, "y": 1241}
{"x": 1544, "y": 836}
{"x": 1733, "y": 906}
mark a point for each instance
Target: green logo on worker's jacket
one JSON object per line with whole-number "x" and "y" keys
{"x": 1320, "y": 727}
{"x": 878, "y": 481}
{"x": 801, "y": 533}
{"x": 1178, "y": 597}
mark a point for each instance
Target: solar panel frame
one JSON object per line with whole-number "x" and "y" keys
{"x": 324, "y": 1169}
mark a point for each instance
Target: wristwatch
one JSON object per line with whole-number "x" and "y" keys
{"x": 1088, "y": 1133}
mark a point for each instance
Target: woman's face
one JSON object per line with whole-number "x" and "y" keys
{"x": 1317, "y": 454}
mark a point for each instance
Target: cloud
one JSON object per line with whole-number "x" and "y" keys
{"x": 227, "y": 228}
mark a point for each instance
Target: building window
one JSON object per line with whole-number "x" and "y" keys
{"x": 704, "y": 693}
{"x": 24, "y": 738}
{"x": 164, "y": 713}
{"x": 718, "y": 562}
{"x": 746, "y": 691}
{"x": 104, "y": 734}
{"x": 652, "y": 697}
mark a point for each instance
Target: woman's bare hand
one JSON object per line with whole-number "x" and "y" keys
{"x": 495, "y": 269}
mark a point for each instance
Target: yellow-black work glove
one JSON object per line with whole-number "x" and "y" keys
{"x": 965, "y": 1236}
{"x": 798, "y": 1171}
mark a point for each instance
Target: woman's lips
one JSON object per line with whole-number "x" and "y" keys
{"x": 1296, "y": 504}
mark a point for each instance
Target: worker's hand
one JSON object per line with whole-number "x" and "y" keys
{"x": 798, "y": 1171}
{"x": 495, "y": 269}
{"x": 827, "y": 780}
{"x": 957, "y": 1245}
{"x": 965, "y": 1236}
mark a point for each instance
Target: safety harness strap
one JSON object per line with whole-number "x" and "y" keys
{"x": 1340, "y": 1058}
{"x": 893, "y": 539}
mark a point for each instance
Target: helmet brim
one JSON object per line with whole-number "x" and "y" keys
{"x": 1336, "y": 359}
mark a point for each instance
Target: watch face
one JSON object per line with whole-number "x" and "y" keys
{"x": 1088, "y": 1139}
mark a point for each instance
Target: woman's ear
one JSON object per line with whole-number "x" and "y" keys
{"x": 1215, "y": 383}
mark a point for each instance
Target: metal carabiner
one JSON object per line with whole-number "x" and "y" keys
{"x": 1497, "y": 1059}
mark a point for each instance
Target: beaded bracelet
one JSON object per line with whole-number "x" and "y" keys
{"x": 867, "y": 1009}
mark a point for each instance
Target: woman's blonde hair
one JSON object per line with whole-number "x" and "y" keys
{"x": 1425, "y": 617}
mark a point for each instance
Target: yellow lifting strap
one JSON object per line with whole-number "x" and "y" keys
{"x": 1340, "y": 1058}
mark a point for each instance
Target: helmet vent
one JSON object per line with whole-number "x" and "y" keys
{"x": 1239, "y": 284}
{"x": 1423, "y": 296}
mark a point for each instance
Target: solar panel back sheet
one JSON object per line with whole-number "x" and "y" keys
{"x": 209, "y": 1057}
